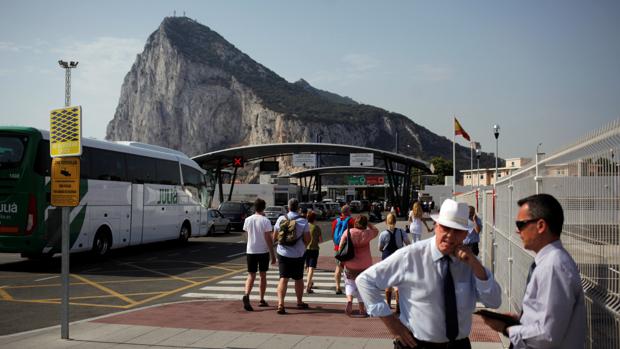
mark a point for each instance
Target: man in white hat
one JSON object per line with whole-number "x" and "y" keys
{"x": 439, "y": 281}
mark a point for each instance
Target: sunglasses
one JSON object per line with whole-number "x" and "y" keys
{"x": 521, "y": 224}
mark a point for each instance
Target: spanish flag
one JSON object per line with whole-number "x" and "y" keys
{"x": 458, "y": 130}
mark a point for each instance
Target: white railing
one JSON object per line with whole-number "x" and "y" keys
{"x": 585, "y": 178}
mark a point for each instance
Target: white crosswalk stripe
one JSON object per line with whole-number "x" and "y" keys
{"x": 233, "y": 289}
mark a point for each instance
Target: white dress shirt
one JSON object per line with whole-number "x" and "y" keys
{"x": 416, "y": 271}
{"x": 554, "y": 312}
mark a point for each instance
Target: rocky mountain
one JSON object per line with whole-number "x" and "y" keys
{"x": 192, "y": 90}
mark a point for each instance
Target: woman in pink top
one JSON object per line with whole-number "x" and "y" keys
{"x": 361, "y": 235}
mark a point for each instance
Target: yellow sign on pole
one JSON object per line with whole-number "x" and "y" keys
{"x": 66, "y": 132}
{"x": 66, "y": 182}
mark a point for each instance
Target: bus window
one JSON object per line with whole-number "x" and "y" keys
{"x": 168, "y": 172}
{"x": 43, "y": 162}
{"x": 140, "y": 169}
{"x": 107, "y": 165}
{"x": 12, "y": 149}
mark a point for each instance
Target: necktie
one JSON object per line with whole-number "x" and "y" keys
{"x": 529, "y": 274}
{"x": 452, "y": 321}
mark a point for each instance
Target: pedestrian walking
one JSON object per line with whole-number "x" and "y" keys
{"x": 432, "y": 276}
{"x": 415, "y": 222}
{"x": 391, "y": 240}
{"x": 339, "y": 226}
{"x": 312, "y": 250}
{"x": 473, "y": 234}
{"x": 293, "y": 234}
{"x": 553, "y": 309}
{"x": 258, "y": 250}
{"x": 361, "y": 235}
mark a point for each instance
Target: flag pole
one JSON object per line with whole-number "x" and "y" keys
{"x": 454, "y": 159}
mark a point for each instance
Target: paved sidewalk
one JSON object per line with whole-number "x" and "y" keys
{"x": 217, "y": 324}
{"x": 221, "y": 323}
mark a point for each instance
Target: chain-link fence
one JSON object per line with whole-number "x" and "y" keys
{"x": 585, "y": 178}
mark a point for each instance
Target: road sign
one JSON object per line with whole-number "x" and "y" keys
{"x": 361, "y": 159}
{"x": 65, "y": 182}
{"x": 66, "y": 132}
{"x": 356, "y": 180}
{"x": 304, "y": 160}
{"x": 375, "y": 180}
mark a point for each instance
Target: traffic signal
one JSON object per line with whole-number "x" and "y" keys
{"x": 237, "y": 161}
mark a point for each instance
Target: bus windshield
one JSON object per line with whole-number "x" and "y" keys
{"x": 12, "y": 150}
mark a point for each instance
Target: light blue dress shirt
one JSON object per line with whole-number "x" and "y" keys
{"x": 301, "y": 227}
{"x": 416, "y": 271}
{"x": 554, "y": 312}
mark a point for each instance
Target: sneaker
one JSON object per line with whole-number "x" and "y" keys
{"x": 302, "y": 305}
{"x": 262, "y": 303}
{"x": 338, "y": 291}
{"x": 281, "y": 310}
{"x": 246, "y": 303}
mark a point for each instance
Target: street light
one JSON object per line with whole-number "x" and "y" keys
{"x": 496, "y": 133}
{"x": 478, "y": 170}
{"x": 537, "y": 178}
{"x": 67, "y": 66}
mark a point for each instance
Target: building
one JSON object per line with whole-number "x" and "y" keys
{"x": 486, "y": 176}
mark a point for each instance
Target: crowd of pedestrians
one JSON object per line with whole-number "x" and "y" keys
{"x": 436, "y": 282}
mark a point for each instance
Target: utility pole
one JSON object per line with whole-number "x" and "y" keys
{"x": 65, "y": 214}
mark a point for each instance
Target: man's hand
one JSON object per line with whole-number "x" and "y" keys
{"x": 465, "y": 254}
{"x": 399, "y": 331}
{"x": 273, "y": 260}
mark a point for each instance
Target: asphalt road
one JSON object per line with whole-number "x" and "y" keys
{"x": 130, "y": 278}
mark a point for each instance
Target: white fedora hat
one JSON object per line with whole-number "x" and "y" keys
{"x": 453, "y": 215}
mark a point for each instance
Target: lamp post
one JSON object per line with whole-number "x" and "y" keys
{"x": 478, "y": 170}
{"x": 496, "y": 134}
{"x": 64, "y": 226}
{"x": 537, "y": 178}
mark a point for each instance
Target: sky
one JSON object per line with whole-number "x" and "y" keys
{"x": 546, "y": 71}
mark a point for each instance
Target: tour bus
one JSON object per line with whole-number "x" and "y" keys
{"x": 130, "y": 194}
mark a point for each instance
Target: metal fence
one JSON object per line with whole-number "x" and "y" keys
{"x": 585, "y": 178}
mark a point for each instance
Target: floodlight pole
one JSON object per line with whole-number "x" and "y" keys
{"x": 64, "y": 230}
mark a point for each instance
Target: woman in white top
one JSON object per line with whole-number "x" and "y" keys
{"x": 416, "y": 222}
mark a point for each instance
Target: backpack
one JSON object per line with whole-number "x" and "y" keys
{"x": 347, "y": 252}
{"x": 341, "y": 227}
{"x": 287, "y": 233}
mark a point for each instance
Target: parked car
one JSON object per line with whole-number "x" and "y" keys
{"x": 334, "y": 209}
{"x": 356, "y": 206}
{"x": 274, "y": 212}
{"x": 365, "y": 205}
{"x": 217, "y": 222}
{"x": 236, "y": 212}
{"x": 320, "y": 210}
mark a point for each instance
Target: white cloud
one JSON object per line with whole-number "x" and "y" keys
{"x": 354, "y": 67}
{"x": 9, "y": 46}
{"x": 360, "y": 62}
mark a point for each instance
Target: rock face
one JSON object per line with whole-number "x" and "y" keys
{"x": 193, "y": 91}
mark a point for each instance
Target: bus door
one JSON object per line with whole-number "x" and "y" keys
{"x": 137, "y": 213}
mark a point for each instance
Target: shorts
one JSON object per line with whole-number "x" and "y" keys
{"x": 312, "y": 257}
{"x": 291, "y": 268}
{"x": 257, "y": 261}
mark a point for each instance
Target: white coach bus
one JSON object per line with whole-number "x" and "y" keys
{"x": 130, "y": 194}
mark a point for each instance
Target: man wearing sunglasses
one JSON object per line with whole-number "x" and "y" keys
{"x": 439, "y": 282}
{"x": 553, "y": 311}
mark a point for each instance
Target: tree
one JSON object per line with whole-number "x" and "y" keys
{"x": 442, "y": 168}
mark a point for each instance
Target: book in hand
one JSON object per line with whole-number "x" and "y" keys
{"x": 507, "y": 319}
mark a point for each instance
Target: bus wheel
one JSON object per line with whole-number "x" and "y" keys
{"x": 184, "y": 233}
{"x": 101, "y": 244}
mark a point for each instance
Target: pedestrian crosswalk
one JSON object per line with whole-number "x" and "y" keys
{"x": 233, "y": 289}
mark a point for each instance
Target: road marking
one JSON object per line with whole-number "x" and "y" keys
{"x": 340, "y": 299}
{"x": 101, "y": 296}
{"x": 5, "y": 295}
{"x": 179, "y": 290}
{"x": 160, "y": 273}
{"x": 104, "y": 289}
{"x": 235, "y": 255}
{"x": 43, "y": 279}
